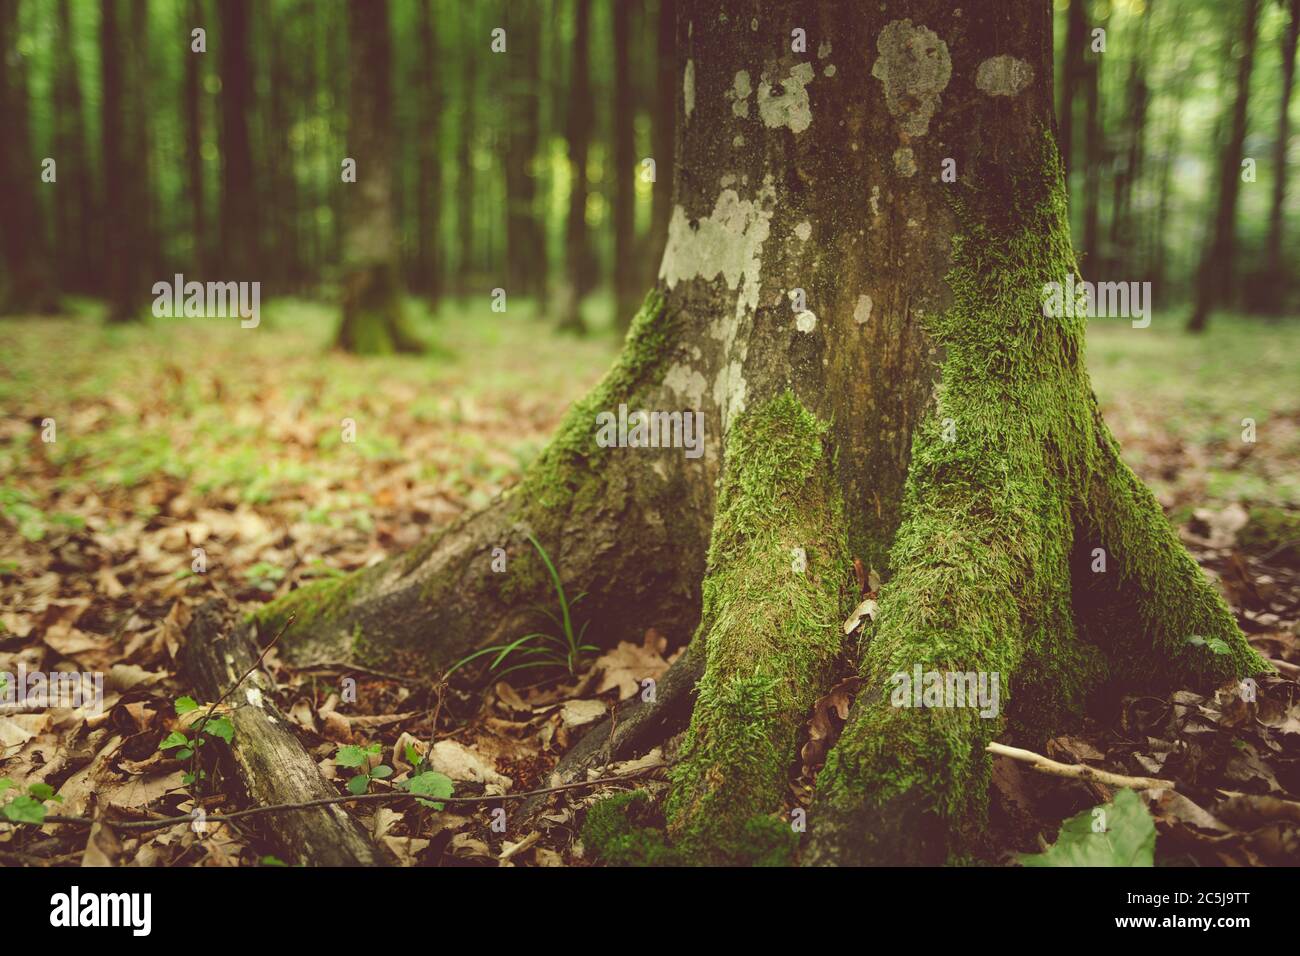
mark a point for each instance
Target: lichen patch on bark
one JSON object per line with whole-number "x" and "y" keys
{"x": 785, "y": 101}
{"x": 1003, "y": 76}
{"x": 914, "y": 68}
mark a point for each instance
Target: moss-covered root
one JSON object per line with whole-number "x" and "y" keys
{"x": 1142, "y": 597}
{"x": 374, "y": 322}
{"x": 595, "y": 510}
{"x": 980, "y": 597}
{"x": 773, "y": 605}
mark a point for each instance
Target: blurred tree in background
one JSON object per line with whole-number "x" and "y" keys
{"x": 524, "y": 168}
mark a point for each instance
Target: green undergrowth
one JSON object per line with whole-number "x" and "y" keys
{"x": 770, "y": 629}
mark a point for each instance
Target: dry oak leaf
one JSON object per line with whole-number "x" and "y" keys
{"x": 628, "y": 664}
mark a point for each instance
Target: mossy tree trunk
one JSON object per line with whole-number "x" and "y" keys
{"x": 373, "y": 321}
{"x": 852, "y": 295}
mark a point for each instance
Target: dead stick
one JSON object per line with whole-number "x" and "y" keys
{"x": 326, "y": 801}
{"x": 1078, "y": 771}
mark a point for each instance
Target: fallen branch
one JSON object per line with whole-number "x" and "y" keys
{"x": 222, "y": 663}
{"x": 1078, "y": 771}
{"x": 329, "y": 801}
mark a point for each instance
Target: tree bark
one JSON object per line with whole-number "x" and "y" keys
{"x": 525, "y": 243}
{"x": 852, "y": 295}
{"x": 624, "y": 165}
{"x": 30, "y": 285}
{"x": 75, "y": 202}
{"x": 577, "y": 243}
{"x": 373, "y": 319}
{"x": 466, "y": 231}
{"x": 193, "y": 107}
{"x": 1215, "y": 274}
{"x": 123, "y": 175}
{"x": 1276, "y": 277}
{"x": 1076, "y": 43}
{"x": 664, "y": 121}
{"x": 429, "y": 182}
{"x": 239, "y": 217}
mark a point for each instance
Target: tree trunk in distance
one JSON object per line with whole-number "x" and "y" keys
{"x": 525, "y": 243}
{"x": 465, "y": 230}
{"x": 1076, "y": 43}
{"x": 624, "y": 165}
{"x": 1093, "y": 155}
{"x": 239, "y": 215}
{"x": 125, "y": 285}
{"x": 373, "y": 320}
{"x": 30, "y": 284}
{"x": 866, "y": 340}
{"x": 577, "y": 243}
{"x": 1215, "y": 274}
{"x": 1275, "y": 274}
{"x": 429, "y": 183}
{"x": 193, "y": 107}
{"x": 75, "y": 217}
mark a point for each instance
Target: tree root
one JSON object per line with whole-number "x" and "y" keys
{"x": 600, "y": 516}
{"x": 774, "y": 599}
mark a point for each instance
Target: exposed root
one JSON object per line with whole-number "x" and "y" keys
{"x": 598, "y": 514}
{"x": 774, "y": 598}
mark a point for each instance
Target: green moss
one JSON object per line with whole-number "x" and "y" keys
{"x": 626, "y": 830}
{"x": 1012, "y": 476}
{"x": 770, "y": 628}
{"x": 316, "y": 605}
{"x": 566, "y": 466}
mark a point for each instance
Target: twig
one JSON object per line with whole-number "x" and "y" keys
{"x": 1078, "y": 771}
{"x": 326, "y": 801}
{"x": 343, "y": 666}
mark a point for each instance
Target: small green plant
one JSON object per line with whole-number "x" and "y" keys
{"x": 187, "y": 742}
{"x": 265, "y": 576}
{"x": 354, "y": 757}
{"x": 541, "y": 649}
{"x": 27, "y": 807}
{"x": 1215, "y": 644}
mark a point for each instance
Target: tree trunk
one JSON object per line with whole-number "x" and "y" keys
{"x": 867, "y": 343}
{"x": 373, "y": 320}
{"x": 1215, "y": 275}
{"x": 193, "y": 107}
{"x": 239, "y": 219}
{"x": 525, "y": 243}
{"x": 123, "y": 242}
{"x": 1093, "y": 156}
{"x": 1076, "y": 43}
{"x": 1123, "y": 236}
{"x": 577, "y": 243}
{"x": 624, "y": 164}
{"x": 29, "y": 283}
{"x": 1276, "y": 275}
{"x": 465, "y": 227}
{"x": 666, "y": 98}
{"x": 74, "y": 205}
{"x": 429, "y": 184}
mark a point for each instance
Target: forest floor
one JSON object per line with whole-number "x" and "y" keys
{"x": 198, "y": 434}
